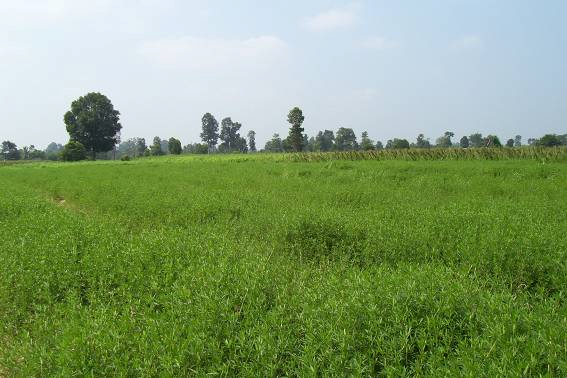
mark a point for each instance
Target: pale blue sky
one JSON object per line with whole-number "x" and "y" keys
{"x": 394, "y": 68}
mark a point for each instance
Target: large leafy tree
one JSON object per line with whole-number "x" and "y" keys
{"x": 398, "y": 144}
{"x": 445, "y": 141}
{"x": 10, "y": 151}
{"x": 492, "y": 141}
{"x": 366, "y": 144}
{"x": 296, "y": 118}
{"x": 230, "y": 135}
{"x": 275, "y": 144}
{"x": 94, "y": 123}
{"x": 422, "y": 142}
{"x": 476, "y": 140}
{"x": 325, "y": 141}
{"x": 174, "y": 146}
{"x": 465, "y": 143}
{"x": 346, "y": 139}
{"x": 549, "y": 140}
{"x": 155, "y": 148}
{"x": 210, "y": 133}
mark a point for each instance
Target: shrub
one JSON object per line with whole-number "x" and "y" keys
{"x": 74, "y": 151}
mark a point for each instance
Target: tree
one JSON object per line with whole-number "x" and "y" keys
{"x": 366, "y": 144}
{"x": 476, "y": 140}
{"x": 324, "y": 141}
{"x": 445, "y": 140}
{"x": 252, "y": 140}
{"x": 492, "y": 141}
{"x": 398, "y": 144}
{"x": 510, "y": 143}
{"x": 296, "y": 118}
{"x": 229, "y": 134}
{"x": 421, "y": 142}
{"x": 210, "y": 134}
{"x": 379, "y": 146}
{"x": 174, "y": 146}
{"x": 240, "y": 145}
{"x": 74, "y": 151}
{"x": 10, "y": 151}
{"x": 346, "y": 139}
{"x": 549, "y": 140}
{"x": 464, "y": 143}
{"x": 155, "y": 149}
{"x": 197, "y": 148}
{"x": 518, "y": 141}
{"x": 94, "y": 123}
{"x": 275, "y": 144}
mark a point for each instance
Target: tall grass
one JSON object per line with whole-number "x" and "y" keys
{"x": 283, "y": 268}
{"x": 414, "y": 154}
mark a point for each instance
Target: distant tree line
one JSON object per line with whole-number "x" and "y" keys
{"x": 94, "y": 131}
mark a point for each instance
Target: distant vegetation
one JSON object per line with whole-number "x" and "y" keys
{"x": 94, "y": 124}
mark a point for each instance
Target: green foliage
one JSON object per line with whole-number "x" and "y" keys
{"x": 445, "y": 141}
{"x": 324, "y": 240}
{"x": 510, "y": 143}
{"x": 174, "y": 146}
{"x": 324, "y": 141}
{"x": 464, "y": 142}
{"x": 296, "y": 118}
{"x": 210, "y": 133}
{"x": 492, "y": 141}
{"x": 94, "y": 123}
{"x": 366, "y": 144}
{"x": 476, "y": 140}
{"x": 74, "y": 151}
{"x": 549, "y": 140}
{"x": 346, "y": 140}
{"x": 197, "y": 148}
{"x": 398, "y": 144}
{"x": 275, "y": 144}
{"x": 252, "y": 140}
{"x": 10, "y": 151}
{"x": 230, "y": 136}
{"x": 422, "y": 142}
{"x": 156, "y": 147}
{"x": 280, "y": 266}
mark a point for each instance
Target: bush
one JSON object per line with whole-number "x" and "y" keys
{"x": 74, "y": 151}
{"x": 125, "y": 158}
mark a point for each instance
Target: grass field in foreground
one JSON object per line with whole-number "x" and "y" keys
{"x": 256, "y": 267}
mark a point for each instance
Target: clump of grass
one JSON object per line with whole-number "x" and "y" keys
{"x": 319, "y": 240}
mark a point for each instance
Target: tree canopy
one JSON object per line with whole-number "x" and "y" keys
{"x": 94, "y": 123}
{"x": 296, "y": 118}
{"x": 210, "y": 131}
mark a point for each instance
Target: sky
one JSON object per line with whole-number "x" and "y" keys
{"x": 392, "y": 68}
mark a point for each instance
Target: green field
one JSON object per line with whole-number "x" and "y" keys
{"x": 258, "y": 266}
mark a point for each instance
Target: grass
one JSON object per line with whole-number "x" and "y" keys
{"x": 264, "y": 265}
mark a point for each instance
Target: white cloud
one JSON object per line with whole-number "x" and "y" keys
{"x": 337, "y": 18}
{"x": 216, "y": 53}
{"x": 468, "y": 42}
{"x": 379, "y": 43}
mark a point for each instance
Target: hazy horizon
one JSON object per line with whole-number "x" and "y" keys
{"x": 392, "y": 69}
